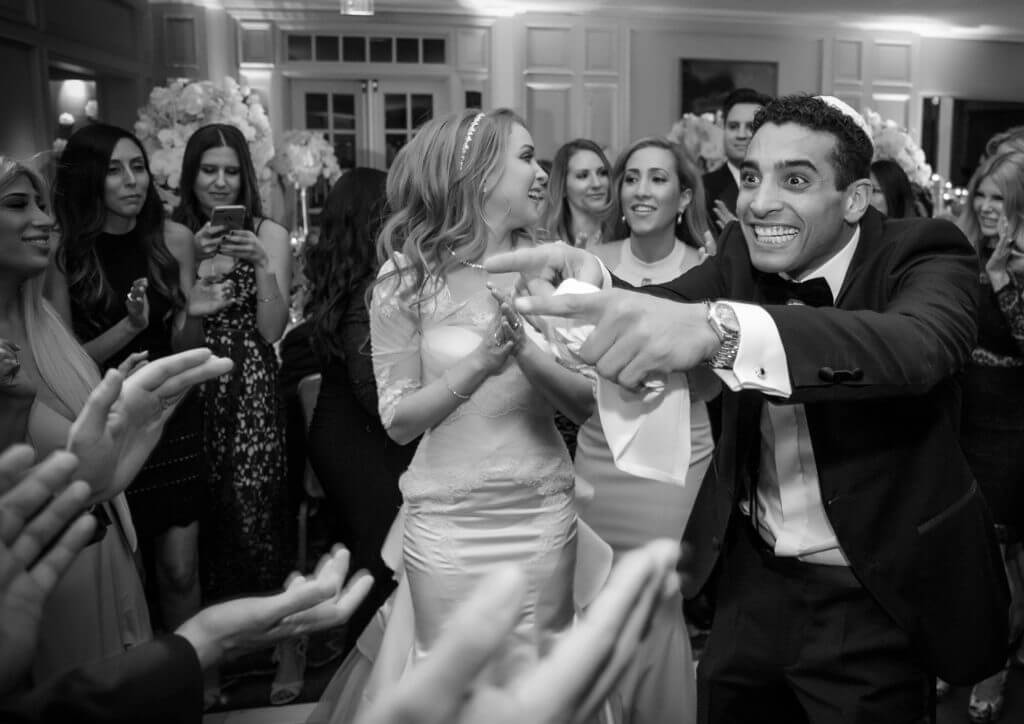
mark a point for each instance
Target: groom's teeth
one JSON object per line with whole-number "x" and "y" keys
{"x": 774, "y": 235}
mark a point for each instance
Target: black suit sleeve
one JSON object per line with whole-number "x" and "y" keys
{"x": 158, "y": 682}
{"x": 909, "y": 324}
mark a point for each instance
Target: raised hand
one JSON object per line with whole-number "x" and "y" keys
{"x": 306, "y": 605}
{"x": 495, "y": 348}
{"x": 567, "y": 685}
{"x": 722, "y": 214}
{"x": 542, "y": 268}
{"x": 136, "y": 303}
{"x": 636, "y": 336}
{"x": 122, "y": 420}
{"x": 37, "y": 545}
{"x": 997, "y": 266}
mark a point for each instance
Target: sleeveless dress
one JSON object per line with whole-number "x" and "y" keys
{"x": 170, "y": 489}
{"x": 245, "y": 541}
{"x": 490, "y": 484}
{"x": 628, "y": 511}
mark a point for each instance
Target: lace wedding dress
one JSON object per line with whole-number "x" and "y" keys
{"x": 490, "y": 484}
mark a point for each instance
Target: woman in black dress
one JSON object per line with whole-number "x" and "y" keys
{"x": 356, "y": 462}
{"x": 993, "y": 392}
{"x": 127, "y": 273}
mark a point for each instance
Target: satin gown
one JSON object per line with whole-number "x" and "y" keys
{"x": 628, "y": 511}
{"x": 492, "y": 483}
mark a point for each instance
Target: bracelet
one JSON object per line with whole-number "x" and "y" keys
{"x": 455, "y": 393}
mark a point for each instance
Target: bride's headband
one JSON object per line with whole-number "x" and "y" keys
{"x": 469, "y": 139}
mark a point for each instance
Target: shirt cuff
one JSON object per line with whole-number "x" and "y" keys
{"x": 761, "y": 359}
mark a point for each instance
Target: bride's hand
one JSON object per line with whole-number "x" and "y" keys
{"x": 495, "y": 348}
{"x": 123, "y": 419}
{"x": 510, "y": 321}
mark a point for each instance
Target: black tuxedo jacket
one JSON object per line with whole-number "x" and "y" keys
{"x": 719, "y": 184}
{"x": 877, "y": 375}
{"x": 158, "y": 682}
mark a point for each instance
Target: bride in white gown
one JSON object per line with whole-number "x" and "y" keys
{"x": 491, "y": 481}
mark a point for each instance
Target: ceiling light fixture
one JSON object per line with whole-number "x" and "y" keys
{"x": 356, "y": 7}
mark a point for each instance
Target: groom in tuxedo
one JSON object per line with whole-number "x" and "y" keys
{"x": 857, "y": 556}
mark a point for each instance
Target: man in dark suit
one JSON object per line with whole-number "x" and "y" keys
{"x": 721, "y": 186}
{"x": 857, "y": 557}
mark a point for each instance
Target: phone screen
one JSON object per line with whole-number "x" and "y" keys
{"x": 230, "y": 217}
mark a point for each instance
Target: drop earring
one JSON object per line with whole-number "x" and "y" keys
{"x": 679, "y": 218}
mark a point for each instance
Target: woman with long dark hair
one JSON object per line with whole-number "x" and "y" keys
{"x": 891, "y": 192}
{"x": 127, "y": 273}
{"x": 247, "y": 545}
{"x": 355, "y": 461}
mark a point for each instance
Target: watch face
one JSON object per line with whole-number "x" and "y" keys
{"x": 726, "y": 317}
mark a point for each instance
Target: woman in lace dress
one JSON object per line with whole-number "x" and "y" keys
{"x": 491, "y": 481}
{"x": 245, "y": 540}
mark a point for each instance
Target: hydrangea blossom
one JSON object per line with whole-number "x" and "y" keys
{"x": 702, "y": 137}
{"x": 176, "y": 111}
{"x": 305, "y": 157}
{"x": 895, "y": 143}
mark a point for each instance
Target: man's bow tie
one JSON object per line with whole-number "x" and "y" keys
{"x": 813, "y": 292}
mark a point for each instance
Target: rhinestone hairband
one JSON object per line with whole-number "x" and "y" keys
{"x": 469, "y": 139}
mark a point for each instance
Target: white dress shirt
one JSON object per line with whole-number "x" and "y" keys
{"x": 790, "y": 515}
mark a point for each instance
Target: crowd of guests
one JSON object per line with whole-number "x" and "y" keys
{"x": 462, "y": 424}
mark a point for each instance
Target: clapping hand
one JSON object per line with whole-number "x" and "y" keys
{"x": 208, "y": 296}
{"x": 306, "y": 605}
{"x": 722, "y": 214}
{"x": 137, "y": 304}
{"x": 509, "y": 321}
{"x": 997, "y": 266}
{"x": 37, "y": 545}
{"x": 568, "y": 685}
{"x": 123, "y": 419}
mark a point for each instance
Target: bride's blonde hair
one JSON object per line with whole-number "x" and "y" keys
{"x": 436, "y": 191}
{"x": 64, "y": 367}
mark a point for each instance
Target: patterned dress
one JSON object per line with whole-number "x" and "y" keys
{"x": 246, "y": 538}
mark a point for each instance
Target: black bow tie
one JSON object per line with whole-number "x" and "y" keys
{"x": 813, "y": 292}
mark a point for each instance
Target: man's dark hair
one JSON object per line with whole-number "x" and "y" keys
{"x": 853, "y": 150}
{"x": 743, "y": 95}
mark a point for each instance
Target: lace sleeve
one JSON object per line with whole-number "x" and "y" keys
{"x": 1011, "y": 304}
{"x": 395, "y": 340}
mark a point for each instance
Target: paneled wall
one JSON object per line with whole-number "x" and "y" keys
{"x": 106, "y": 41}
{"x": 876, "y": 73}
{"x": 572, "y": 80}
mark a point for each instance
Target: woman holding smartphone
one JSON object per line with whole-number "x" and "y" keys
{"x": 993, "y": 388}
{"x": 122, "y": 281}
{"x": 245, "y": 544}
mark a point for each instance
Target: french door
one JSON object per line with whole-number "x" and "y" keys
{"x": 367, "y": 121}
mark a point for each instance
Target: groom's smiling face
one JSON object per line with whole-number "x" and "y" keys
{"x": 792, "y": 215}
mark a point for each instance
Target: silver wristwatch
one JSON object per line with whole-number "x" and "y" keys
{"x": 722, "y": 319}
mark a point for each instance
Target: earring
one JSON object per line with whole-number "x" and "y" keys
{"x": 679, "y": 218}
{"x": 623, "y": 218}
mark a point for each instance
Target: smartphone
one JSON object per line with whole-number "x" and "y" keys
{"x": 231, "y": 218}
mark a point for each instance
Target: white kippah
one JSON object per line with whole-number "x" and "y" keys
{"x": 848, "y": 111}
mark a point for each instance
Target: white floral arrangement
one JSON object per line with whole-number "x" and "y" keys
{"x": 702, "y": 137}
{"x": 305, "y": 157}
{"x": 176, "y": 111}
{"x": 895, "y": 143}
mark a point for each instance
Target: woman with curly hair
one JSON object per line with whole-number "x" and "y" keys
{"x": 491, "y": 481}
